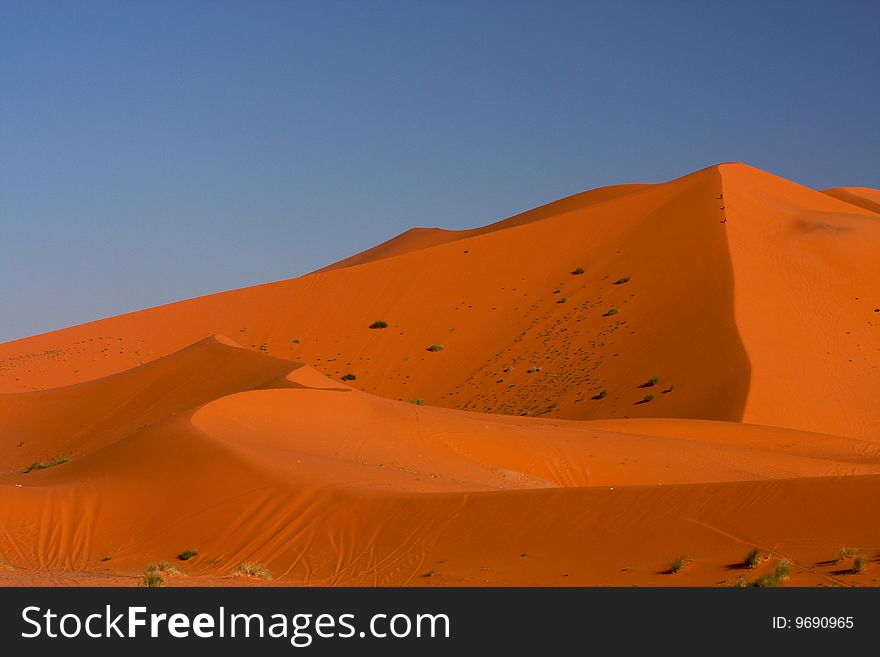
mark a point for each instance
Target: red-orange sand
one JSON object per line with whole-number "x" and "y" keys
{"x": 732, "y": 401}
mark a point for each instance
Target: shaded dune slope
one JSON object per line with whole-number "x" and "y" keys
{"x": 492, "y": 302}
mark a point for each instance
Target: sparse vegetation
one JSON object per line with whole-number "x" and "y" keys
{"x": 186, "y": 555}
{"x": 379, "y": 324}
{"x": 612, "y": 311}
{"x": 621, "y": 281}
{"x": 533, "y": 370}
{"x": 680, "y": 562}
{"x": 753, "y": 558}
{"x": 164, "y": 567}
{"x": 106, "y": 557}
{"x": 578, "y": 271}
{"x": 601, "y": 395}
{"x": 252, "y": 569}
{"x": 563, "y": 300}
{"x": 651, "y": 382}
{"x": 858, "y": 564}
{"x": 154, "y": 574}
{"x": 152, "y": 579}
{"x": 845, "y": 553}
{"x": 349, "y": 377}
{"x": 780, "y": 573}
{"x": 647, "y": 398}
{"x": 417, "y": 402}
{"x": 296, "y": 341}
{"x": 42, "y": 465}
{"x": 435, "y": 347}
{"x": 430, "y": 573}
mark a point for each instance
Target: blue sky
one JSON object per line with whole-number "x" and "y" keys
{"x": 155, "y": 151}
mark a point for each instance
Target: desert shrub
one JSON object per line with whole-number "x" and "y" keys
{"x": 252, "y": 569}
{"x": 858, "y": 564}
{"x": 186, "y": 555}
{"x": 602, "y": 394}
{"x": 612, "y": 311}
{"x": 621, "y": 281}
{"x": 753, "y": 558}
{"x": 647, "y": 398}
{"x": 163, "y": 567}
{"x": 435, "y": 347}
{"x": 417, "y": 402}
{"x": 42, "y": 465}
{"x": 106, "y": 557}
{"x": 296, "y": 341}
{"x": 379, "y": 324}
{"x": 152, "y": 579}
{"x": 780, "y": 573}
{"x": 349, "y": 377}
{"x": 652, "y": 382}
{"x": 845, "y": 553}
{"x": 563, "y": 300}
{"x": 578, "y": 271}
{"x": 680, "y": 562}
{"x": 533, "y": 370}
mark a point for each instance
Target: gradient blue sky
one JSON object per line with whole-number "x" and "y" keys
{"x": 155, "y": 151}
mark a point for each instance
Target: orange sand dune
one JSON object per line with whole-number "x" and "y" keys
{"x": 864, "y": 197}
{"x": 729, "y": 402}
{"x": 329, "y": 485}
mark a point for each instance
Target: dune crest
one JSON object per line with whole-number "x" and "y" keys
{"x": 572, "y": 396}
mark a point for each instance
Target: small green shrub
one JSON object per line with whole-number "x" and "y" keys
{"x": 296, "y": 341}
{"x": 578, "y": 271}
{"x": 621, "y": 281}
{"x": 680, "y": 562}
{"x": 652, "y": 382}
{"x": 435, "y": 347}
{"x": 563, "y": 300}
{"x": 417, "y": 402}
{"x": 602, "y": 394}
{"x": 252, "y": 569}
{"x": 379, "y": 324}
{"x": 186, "y": 555}
{"x": 612, "y": 311}
{"x": 349, "y": 377}
{"x": 773, "y": 579}
{"x": 163, "y": 567}
{"x": 647, "y": 398}
{"x": 858, "y": 564}
{"x": 845, "y": 553}
{"x": 152, "y": 579}
{"x": 753, "y": 558}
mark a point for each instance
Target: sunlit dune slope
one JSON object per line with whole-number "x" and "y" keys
{"x": 330, "y": 485}
{"x": 576, "y": 395}
{"x": 746, "y": 296}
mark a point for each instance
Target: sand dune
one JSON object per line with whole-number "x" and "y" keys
{"x": 863, "y": 197}
{"x": 730, "y": 402}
